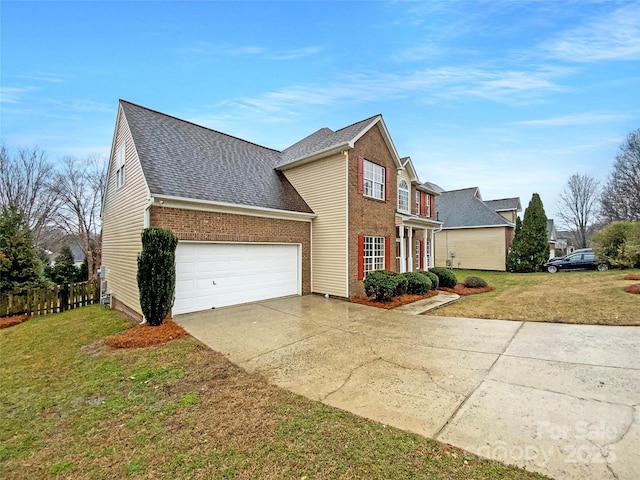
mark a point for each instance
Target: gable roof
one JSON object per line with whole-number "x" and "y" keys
{"x": 185, "y": 160}
{"x": 465, "y": 208}
{"x": 505, "y": 204}
{"x": 325, "y": 141}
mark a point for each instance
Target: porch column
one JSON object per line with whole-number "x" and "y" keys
{"x": 403, "y": 249}
{"x": 432, "y": 247}
{"x": 425, "y": 251}
{"x": 411, "y": 250}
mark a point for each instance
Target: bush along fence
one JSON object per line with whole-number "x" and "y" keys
{"x": 41, "y": 301}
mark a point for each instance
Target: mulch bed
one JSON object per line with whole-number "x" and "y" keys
{"x": 632, "y": 276}
{"x": 144, "y": 335}
{"x": 463, "y": 291}
{"x": 635, "y": 288}
{"x": 6, "y": 322}
{"x": 395, "y": 301}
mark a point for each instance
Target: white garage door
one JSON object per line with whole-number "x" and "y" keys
{"x": 210, "y": 275}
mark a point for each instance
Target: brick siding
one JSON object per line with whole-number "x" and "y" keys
{"x": 224, "y": 227}
{"x": 369, "y": 216}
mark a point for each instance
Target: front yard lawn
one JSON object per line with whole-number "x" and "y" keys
{"x": 587, "y": 297}
{"x": 70, "y": 407}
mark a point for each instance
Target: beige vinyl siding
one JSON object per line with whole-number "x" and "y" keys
{"x": 323, "y": 185}
{"x": 509, "y": 215}
{"x": 475, "y": 248}
{"x": 122, "y": 222}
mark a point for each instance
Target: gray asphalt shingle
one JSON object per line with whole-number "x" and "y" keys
{"x": 465, "y": 208}
{"x": 186, "y": 160}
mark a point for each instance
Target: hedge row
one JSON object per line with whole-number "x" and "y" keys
{"x": 384, "y": 284}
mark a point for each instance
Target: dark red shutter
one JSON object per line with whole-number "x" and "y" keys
{"x": 423, "y": 203}
{"x": 433, "y": 206}
{"x": 387, "y": 185}
{"x": 360, "y": 175}
{"x": 421, "y": 253}
{"x": 387, "y": 253}
{"x": 360, "y": 257}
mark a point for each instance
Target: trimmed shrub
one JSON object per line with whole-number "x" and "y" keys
{"x": 418, "y": 283}
{"x": 446, "y": 278}
{"x": 474, "y": 282}
{"x": 381, "y": 285}
{"x": 435, "y": 281}
{"x": 402, "y": 282}
{"x": 157, "y": 274}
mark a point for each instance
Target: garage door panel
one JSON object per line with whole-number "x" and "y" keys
{"x": 212, "y": 275}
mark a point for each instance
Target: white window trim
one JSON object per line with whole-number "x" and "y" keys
{"x": 120, "y": 163}
{"x": 417, "y": 202}
{"x": 428, "y": 202}
{"x": 373, "y": 254}
{"x": 374, "y": 180}
{"x": 403, "y": 190}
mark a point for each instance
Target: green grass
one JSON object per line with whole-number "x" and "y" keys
{"x": 586, "y": 297}
{"x": 71, "y": 408}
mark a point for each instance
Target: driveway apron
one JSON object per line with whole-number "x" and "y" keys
{"x": 562, "y": 400}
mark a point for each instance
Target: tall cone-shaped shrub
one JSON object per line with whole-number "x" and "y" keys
{"x": 157, "y": 274}
{"x": 530, "y": 247}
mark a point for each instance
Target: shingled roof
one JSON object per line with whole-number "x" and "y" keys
{"x": 185, "y": 160}
{"x": 505, "y": 204}
{"x": 465, "y": 208}
{"x": 325, "y": 140}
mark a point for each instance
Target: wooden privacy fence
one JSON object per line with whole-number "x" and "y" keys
{"x": 40, "y": 301}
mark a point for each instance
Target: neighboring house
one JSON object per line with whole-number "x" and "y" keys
{"x": 256, "y": 223}
{"x": 78, "y": 254}
{"x": 476, "y": 234}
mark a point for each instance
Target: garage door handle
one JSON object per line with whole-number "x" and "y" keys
{"x": 214, "y": 282}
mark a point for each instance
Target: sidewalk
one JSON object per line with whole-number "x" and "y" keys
{"x": 422, "y": 306}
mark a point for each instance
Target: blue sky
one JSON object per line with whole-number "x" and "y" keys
{"x": 510, "y": 96}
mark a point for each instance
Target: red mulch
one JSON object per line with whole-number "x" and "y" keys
{"x": 632, "y": 276}
{"x": 6, "y": 322}
{"x": 635, "y": 288}
{"x": 395, "y": 301}
{"x": 463, "y": 291}
{"x": 143, "y": 335}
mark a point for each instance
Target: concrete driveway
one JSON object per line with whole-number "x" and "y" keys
{"x": 563, "y": 400}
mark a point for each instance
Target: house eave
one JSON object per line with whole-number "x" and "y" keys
{"x": 414, "y": 221}
{"x": 222, "y": 207}
{"x": 335, "y": 149}
{"x": 511, "y": 225}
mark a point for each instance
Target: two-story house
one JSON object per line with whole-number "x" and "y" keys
{"x": 256, "y": 223}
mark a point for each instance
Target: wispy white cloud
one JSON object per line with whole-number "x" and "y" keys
{"x": 49, "y": 77}
{"x": 225, "y": 50}
{"x": 14, "y": 94}
{"x": 587, "y": 118}
{"x": 452, "y": 83}
{"x": 296, "y": 53}
{"x": 613, "y": 37}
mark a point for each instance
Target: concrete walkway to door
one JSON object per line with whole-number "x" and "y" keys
{"x": 563, "y": 400}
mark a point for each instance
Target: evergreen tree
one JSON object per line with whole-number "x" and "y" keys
{"x": 513, "y": 263}
{"x": 64, "y": 271}
{"x": 530, "y": 249}
{"x": 20, "y": 266}
{"x": 157, "y": 274}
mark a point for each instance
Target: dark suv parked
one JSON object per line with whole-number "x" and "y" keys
{"x": 583, "y": 259}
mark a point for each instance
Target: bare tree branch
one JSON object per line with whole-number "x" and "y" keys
{"x": 578, "y": 205}
{"x": 25, "y": 186}
{"x": 621, "y": 194}
{"x": 79, "y": 186}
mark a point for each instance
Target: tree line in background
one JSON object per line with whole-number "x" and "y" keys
{"x": 44, "y": 209}
{"x": 607, "y": 218}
